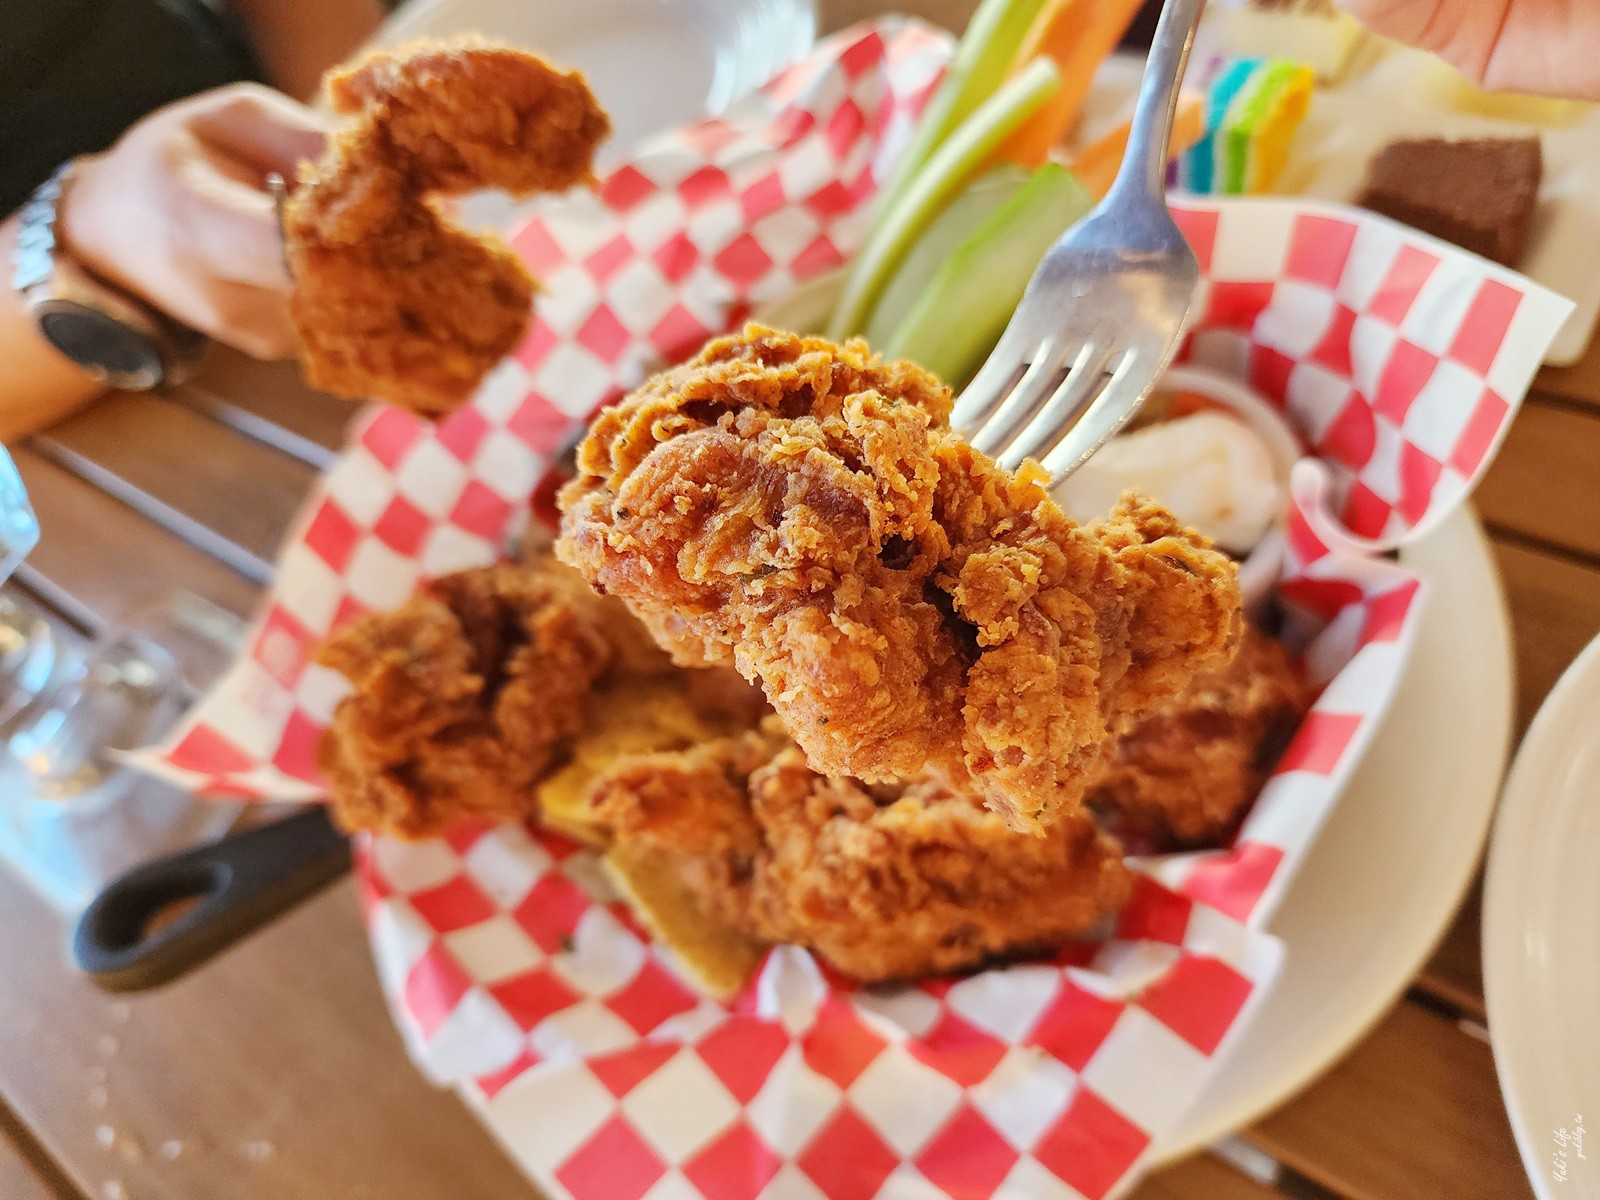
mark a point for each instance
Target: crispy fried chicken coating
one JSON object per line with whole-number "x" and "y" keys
{"x": 1185, "y": 773}
{"x": 484, "y": 683}
{"x": 804, "y": 511}
{"x": 463, "y": 698}
{"x": 885, "y": 883}
{"x": 392, "y": 299}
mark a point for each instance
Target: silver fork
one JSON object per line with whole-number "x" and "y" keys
{"x": 1104, "y": 313}
{"x": 278, "y": 189}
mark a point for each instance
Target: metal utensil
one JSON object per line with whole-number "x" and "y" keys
{"x": 1104, "y": 313}
{"x": 233, "y": 886}
{"x": 278, "y": 189}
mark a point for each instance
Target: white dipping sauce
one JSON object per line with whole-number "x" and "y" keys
{"x": 1210, "y": 470}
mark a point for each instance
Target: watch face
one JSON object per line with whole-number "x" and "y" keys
{"x": 101, "y": 344}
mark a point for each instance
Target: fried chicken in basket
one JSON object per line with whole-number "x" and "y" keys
{"x": 1184, "y": 773}
{"x": 489, "y": 684}
{"x": 804, "y": 511}
{"x": 890, "y": 882}
{"x": 463, "y": 697}
{"x": 392, "y": 299}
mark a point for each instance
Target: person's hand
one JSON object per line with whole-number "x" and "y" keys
{"x": 1540, "y": 47}
{"x": 177, "y": 212}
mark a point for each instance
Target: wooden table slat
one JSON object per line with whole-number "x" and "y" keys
{"x": 232, "y": 496}
{"x": 1579, "y": 383}
{"x": 1413, "y": 1111}
{"x": 98, "y": 559}
{"x": 271, "y": 402}
{"x": 1203, "y": 1177}
{"x": 275, "y": 1072}
{"x": 1543, "y": 484}
{"x": 19, "y": 1180}
{"x": 1454, "y": 975}
{"x": 1555, "y": 613}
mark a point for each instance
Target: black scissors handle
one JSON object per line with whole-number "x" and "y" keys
{"x": 235, "y": 885}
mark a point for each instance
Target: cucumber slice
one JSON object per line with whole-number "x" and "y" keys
{"x": 963, "y": 312}
{"x": 982, "y": 59}
{"x": 939, "y": 178}
{"x": 948, "y": 230}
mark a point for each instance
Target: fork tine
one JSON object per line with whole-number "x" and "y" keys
{"x": 1077, "y": 390}
{"x": 995, "y": 379}
{"x": 1116, "y": 287}
{"x": 1031, "y": 394}
{"x": 1122, "y": 396}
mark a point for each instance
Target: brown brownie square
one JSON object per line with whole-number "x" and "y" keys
{"x": 1479, "y": 194}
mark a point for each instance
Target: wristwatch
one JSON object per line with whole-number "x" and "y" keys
{"x": 116, "y": 338}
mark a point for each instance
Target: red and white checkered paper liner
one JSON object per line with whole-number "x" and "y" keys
{"x": 511, "y": 969}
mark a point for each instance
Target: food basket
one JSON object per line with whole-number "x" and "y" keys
{"x": 515, "y": 974}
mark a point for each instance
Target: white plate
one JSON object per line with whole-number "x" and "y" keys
{"x": 1386, "y": 97}
{"x": 1393, "y": 862}
{"x": 1541, "y": 939}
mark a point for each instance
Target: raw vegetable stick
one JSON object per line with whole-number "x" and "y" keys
{"x": 944, "y": 174}
{"x": 966, "y": 306}
{"x": 1077, "y": 35}
{"x": 1097, "y": 163}
{"x": 944, "y": 233}
{"x": 985, "y": 56}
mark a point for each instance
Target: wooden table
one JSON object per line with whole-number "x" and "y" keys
{"x": 275, "y": 1071}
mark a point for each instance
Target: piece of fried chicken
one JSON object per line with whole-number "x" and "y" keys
{"x": 804, "y": 511}
{"x": 1184, "y": 773}
{"x": 891, "y": 882}
{"x": 392, "y": 299}
{"x": 463, "y": 698}
{"x": 472, "y": 693}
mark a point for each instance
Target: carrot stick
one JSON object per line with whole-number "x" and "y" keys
{"x": 1097, "y": 163}
{"x": 1078, "y": 35}
{"x": 985, "y": 58}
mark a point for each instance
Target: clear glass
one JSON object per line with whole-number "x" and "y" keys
{"x": 27, "y": 658}
{"x": 73, "y": 816}
{"x": 19, "y": 528}
{"x": 116, "y": 696}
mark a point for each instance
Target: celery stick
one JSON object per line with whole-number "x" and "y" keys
{"x": 949, "y": 167}
{"x": 948, "y": 230}
{"x": 983, "y": 56}
{"x": 964, "y": 310}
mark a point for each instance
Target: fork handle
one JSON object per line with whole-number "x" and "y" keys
{"x": 1144, "y": 165}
